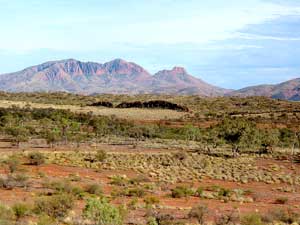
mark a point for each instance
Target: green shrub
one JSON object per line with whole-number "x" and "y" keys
{"x": 101, "y": 155}
{"x": 6, "y": 215}
{"x": 36, "y": 158}
{"x": 151, "y": 200}
{"x": 152, "y": 221}
{"x": 181, "y": 191}
{"x": 251, "y": 219}
{"x": 119, "y": 181}
{"x": 65, "y": 186}
{"x": 56, "y": 206}
{"x": 20, "y": 210}
{"x": 133, "y": 203}
{"x": 46, "y": 220}
{"x": 199, "y": 191}
{"x": 100, "y": 212}
{"x": 136, "y": 192}
{"x": 223, "y": 192}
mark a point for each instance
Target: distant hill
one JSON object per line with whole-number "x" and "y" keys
{"x": 116, "y": 77}
{"x": 289, "y": 90}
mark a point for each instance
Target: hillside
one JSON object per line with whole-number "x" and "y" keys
{"x": 289, "y": 90}
{"x": 114, "y": 77}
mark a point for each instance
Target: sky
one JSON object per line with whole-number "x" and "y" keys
{"x": 229, "y": 43}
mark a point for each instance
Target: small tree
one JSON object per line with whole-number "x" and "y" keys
{"x": 52, "y": 136}
{"x": 100, "y": 212}
{"x": 269, "y": 139}
{"x": 20, "y": 134}
{"x": 239, "y": 133}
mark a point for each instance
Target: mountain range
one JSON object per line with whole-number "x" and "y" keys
{"x": 121, "y": 77}
{"x": 117, "y": 77}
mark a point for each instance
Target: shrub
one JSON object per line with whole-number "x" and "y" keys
{"x": 181, "y": 191}
{"x": 229, "y": 218}
{"x": 180, "y": 155}
{"x": 36, "y": 158}
{"x": 151, "y": 200}
{"x": 281, "y": 200}
{"x": 13, "y": 163}
{"x": 199, "y": 212}
{"x": 6, "y": 215}
{"x": 281, "y": 215}
{"x": 21, "y": 179}
{"x": 94, "y": 189}
{"x": 119, "y": 181}
{"x": 133, "y": 203}
{"x": 136, "y": 192}
{"x": 56, "y": 206}
{"x": 139, "y": 179}
{"x": 251, "y": 219}
{"x": 46, "y": 220}
{"x": 164, "y": 219}
{"x": 64, "y": 186}
{"x": 100, "y": 212}
{"x": 101, "y": 155}
{"x": 152, "y": 221}
{"x": 11, "y": 181}
{"x": 20, "y": 210}
{"x": 199, "y": 192}
{"x": 223, "y": 192}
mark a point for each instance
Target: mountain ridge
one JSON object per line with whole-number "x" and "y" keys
{"x": 119, "y": 76}
{"x": 287, "y": 90}
{"x": 116, "y": 77}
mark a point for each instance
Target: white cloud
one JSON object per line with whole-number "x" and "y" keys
{"x": 197, "y": 23}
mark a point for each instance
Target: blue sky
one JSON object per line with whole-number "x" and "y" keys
{"x": 230, "y": 43}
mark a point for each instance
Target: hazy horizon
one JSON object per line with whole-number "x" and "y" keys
{"x": 231, "y": 44}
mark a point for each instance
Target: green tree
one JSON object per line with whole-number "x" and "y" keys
{"x": 52, "y": 136}
{"x": 239, "y": 133}
{"x": 269, "y": 139}
{"x": 19, "y": 133}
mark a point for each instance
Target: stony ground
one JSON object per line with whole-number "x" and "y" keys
{"x": 254, "y": 183}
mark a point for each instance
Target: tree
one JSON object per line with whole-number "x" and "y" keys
{"x": 20, "y": 134}
{"x": 52, "y": 136}
{"x": 269, "y": 139}
{"x": 239, "y": 133}
{"x": 101, "y": 212}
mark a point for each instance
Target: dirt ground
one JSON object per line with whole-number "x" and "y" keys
{"x": 263, "y": 196}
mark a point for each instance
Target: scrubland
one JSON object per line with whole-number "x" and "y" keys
{"x": 225, "y": 161}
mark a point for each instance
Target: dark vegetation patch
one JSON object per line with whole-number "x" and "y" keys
{"x": 158, "y": 104}
{"x": 155, "y": 104}
{"x": 104, "y": 104}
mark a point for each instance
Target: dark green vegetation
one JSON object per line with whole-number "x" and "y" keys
{"x": 62, "y": 126}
